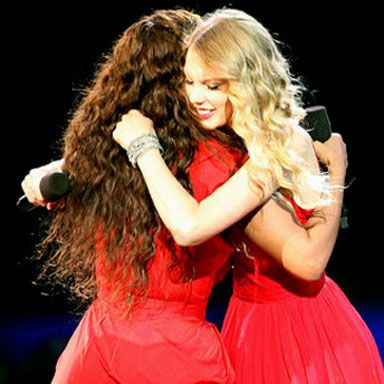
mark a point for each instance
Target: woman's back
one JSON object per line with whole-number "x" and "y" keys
{"x": 165, "y": 338}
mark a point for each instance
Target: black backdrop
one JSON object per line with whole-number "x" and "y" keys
{"x": 49, "y": 50}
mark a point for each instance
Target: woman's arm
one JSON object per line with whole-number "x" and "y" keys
{"x": 190, "y": 222}
{"x": 304, "y": 251}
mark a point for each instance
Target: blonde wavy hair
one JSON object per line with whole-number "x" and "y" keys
{"x": 265, "y": 97}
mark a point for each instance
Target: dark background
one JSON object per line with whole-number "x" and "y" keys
{"x": 48, "y": 51}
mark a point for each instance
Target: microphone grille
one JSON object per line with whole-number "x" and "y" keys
{"x": 54, "y": 186}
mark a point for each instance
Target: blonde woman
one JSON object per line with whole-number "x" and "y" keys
{"x": 287, "y": 322}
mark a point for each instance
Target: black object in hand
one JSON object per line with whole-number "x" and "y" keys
{"x": 317, "y": 123}
{"x": 53, "y": 187}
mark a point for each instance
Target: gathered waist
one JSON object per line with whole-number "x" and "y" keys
{"x": 151, "y": 308}
{"x": 263, "y": 289}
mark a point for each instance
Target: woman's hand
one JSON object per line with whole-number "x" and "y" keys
{"x": 333, "y": 154}
{"x": 132, "y": 125}
{"x": 31, "y": 184}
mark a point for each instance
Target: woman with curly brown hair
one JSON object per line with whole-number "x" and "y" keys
{"x": 146, "y": 322}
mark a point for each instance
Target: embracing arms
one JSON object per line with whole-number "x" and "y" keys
{"x": 190, "y": 222}
{"x": 304, "y": 250}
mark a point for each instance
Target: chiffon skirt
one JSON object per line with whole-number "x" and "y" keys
{"x": 297, "y": 339}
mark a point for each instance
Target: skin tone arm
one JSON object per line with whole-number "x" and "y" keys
{"x": 191, "y": 222}
{"x": 304, "y": 251}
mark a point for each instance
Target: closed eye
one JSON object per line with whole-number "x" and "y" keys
{"x": 216, "y": 85}
{"x": 213, "y": 87}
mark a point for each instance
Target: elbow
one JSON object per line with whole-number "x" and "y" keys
{"x": 183, "y": 239}
{"x": 306, "y": 267}
{"x": 187, "y": 235}
{"x": 310, "y": 274}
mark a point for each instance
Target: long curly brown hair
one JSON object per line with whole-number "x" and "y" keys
{"x": 108, "y": 196}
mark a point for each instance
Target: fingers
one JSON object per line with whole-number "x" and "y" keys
{"x": 31, "y": 186}
{"x": 132, "y": 113}
{"x": 321, "y": 152}
{"x": 132, "y": 125}
{"x": 332, "y": 153}
{"x": 336, "y": 135}
{"x": 55, "y": 204}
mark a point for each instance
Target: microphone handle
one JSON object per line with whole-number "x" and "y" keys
{"x": 23, "y": 204}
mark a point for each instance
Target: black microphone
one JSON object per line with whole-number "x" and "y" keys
{"x": 317, "y": 123}
{"x": 53, "y": 187}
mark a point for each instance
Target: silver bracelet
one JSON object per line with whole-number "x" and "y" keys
{"x": 142, "y": 144}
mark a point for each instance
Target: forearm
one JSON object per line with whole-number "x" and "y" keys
{"x": 321, "y": 232}
{"x": 318, "y": 241}
{"x": 191, "y": 222}
{"x": 176, "y": 207}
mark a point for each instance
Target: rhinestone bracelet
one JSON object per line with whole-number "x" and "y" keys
{"x": 142, "y": 144}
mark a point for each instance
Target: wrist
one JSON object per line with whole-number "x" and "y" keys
{"x": 150, "y": 156}
{"x": 141, "y": 145}
{"x": 56, "y": 166}
{"x": 337, "y": 176}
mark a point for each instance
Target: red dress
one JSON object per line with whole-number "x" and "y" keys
{"x": 282, "y": 330}
{"x": 166, "y": 339}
